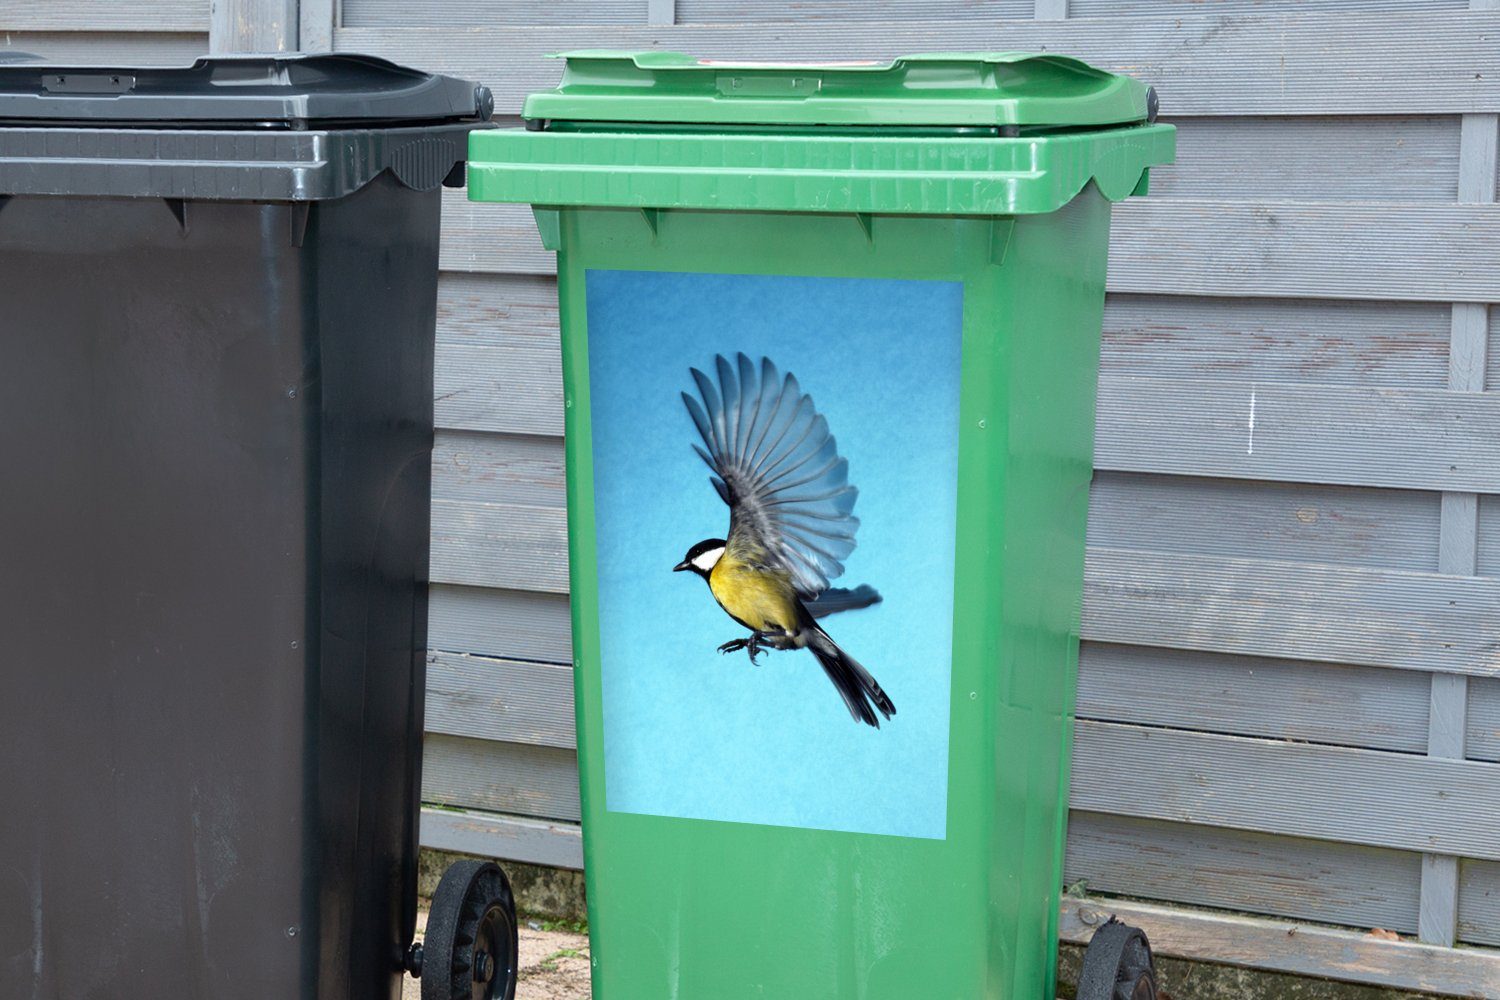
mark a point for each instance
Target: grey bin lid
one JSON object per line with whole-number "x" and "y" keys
{"x": 249, "y": 128}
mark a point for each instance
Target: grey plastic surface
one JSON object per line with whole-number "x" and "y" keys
{"x": 258, "y": 128}
{"x": 295, "y": 91}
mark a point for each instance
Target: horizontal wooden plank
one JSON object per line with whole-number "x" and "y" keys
{"x": 803, "y": 11}
{"x": 117, "y": 15}
{"x": 509, "y": 311}
{"x": 1284, "y": 946}
{"x": 1179, "y": 246}
{"x": 1256, "y": 607}
{"x": 1355, "y": 250}
{"x": 1340, "y": 525}
{"x": 509, "y": 838}
{"x": 1288, "y": 610}
{"x": 528, "y": 13}
{"x": 1326, "y": 342}
{"x": 498, "y": 468}
{"x": 114, "y": 48}
{"x": 1255, "y": 696}
{"x": 1156, "y": 8}
{"x": 1401, "y": 801}
{"x": 1482, "y": 733}
{"x": 515, "y": 778}
{"x": 495, "y": 545}
{"x": 1479, "y": 902}
{"x": 1319, "y": 341}
{"x": 515, "y": 624}
{"x": 1252, "y": 872}
{"x": 507, "y": 700}
{"x": 1492, "y": 352}
{"x": 1395, "y": 529}
{"x": 1383, "y": 63}
{"x": 1400, "y": 157}
{"x": 1357, "y": 436}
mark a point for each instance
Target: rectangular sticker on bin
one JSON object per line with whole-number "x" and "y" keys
{"x": 775, "y": 486}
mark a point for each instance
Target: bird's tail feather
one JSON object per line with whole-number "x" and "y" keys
{"x": 855, "y": 685}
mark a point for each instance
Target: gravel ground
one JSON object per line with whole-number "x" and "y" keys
{"x": 554, "y": 965}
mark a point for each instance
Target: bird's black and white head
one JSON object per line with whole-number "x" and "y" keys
{"x": 702, "y": 557}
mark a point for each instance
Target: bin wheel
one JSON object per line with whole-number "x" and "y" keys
{"x": 471, "y": 946}
{"x": 1117, "y": 965}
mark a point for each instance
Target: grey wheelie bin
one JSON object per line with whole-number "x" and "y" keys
{"x": 217, "y": 305}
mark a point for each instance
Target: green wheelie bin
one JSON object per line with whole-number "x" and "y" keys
{"x": 830, "y": 337}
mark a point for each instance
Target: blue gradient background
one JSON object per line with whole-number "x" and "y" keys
{"x": 692, "y": 733}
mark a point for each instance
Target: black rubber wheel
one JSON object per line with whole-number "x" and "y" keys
{"x": 1117, "y": 965}
{"x": 471, "y": 945}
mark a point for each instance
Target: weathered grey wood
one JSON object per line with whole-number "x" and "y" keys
{"x": 1479, "y": 903}
{"x": 536, "y": 781}
{"x": 1254, "y": 696}
{"x": 1383, "y": 63}
{"x": 1401, "y": 158}
{"x": 1482, "y": 741}
{"x": 1480, "y": 137}
{"x": 494, "y": 545}
{"x": 498, "y": 468}
{"x": 1051, "y": 10}
{"x": 1419, "y": 621}
{"x": 1203, "y": 246}
{"x": 1352, "y": 526}
{"x": 661, "y": 11}
{"x": 505, "y": 700}
{"x": 1437, "y": 917}
{"x": 1339, "y": 525}
{"x": 1179, "y": 246}
{"x": 1488, "y": 556}
{"x": 253, "y": 25}
{"x": 1357, "y": 436}
{"x": 481, "y": 13}
{"x": 1287, "y": 946}
{"x": 1459, "y": 542}
{"x": 1414, "y": 621}
{"x": 1156, "y": 8}
{"x": 93, "y": 16}
{"x": 316, "y": 19}
{"x": 518, "y": 624}
{"x": 803, "y": 11}
{"x": 516, "y": 388}
{"x": 108, "y": 48}
{"x": 512, "y": 838}
{"x": 1298, "y": 789}
{"x": 1254, "y": 872}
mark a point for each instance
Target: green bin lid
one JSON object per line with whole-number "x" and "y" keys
{"x": 941, "y": 89}
{"x": 986, "y": 134}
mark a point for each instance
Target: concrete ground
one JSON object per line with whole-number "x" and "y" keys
{"x": 554, "y": 965}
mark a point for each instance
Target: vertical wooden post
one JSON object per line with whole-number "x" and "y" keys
{"x": 253, "y": 26}
{"x": 318, "y": 20}
{"x": 661, "y": 11}
{"x": 1458, "y": 541}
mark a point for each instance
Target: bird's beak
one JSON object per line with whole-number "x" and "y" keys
{"x": 682, "y": 566}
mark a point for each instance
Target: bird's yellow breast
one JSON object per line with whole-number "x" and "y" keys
{"x": 762, "y": 599}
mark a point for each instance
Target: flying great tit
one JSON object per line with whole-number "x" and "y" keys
{"x": 790, "y": 523}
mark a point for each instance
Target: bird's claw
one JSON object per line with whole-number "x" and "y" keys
{"x": 751, "y": 645}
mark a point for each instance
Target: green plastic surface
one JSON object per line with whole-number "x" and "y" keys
{"x": 689, "y": 908}
{"x": 697, "y": 909}
{"x": 977, "y": 88}
{"x": 921, "y": 135}
{"x": 813, "y": 172}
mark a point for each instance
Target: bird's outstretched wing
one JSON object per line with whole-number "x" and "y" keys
{"x": 777, "y": 467}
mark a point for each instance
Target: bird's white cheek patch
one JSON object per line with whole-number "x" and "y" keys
{"x": 707, "y": 560}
